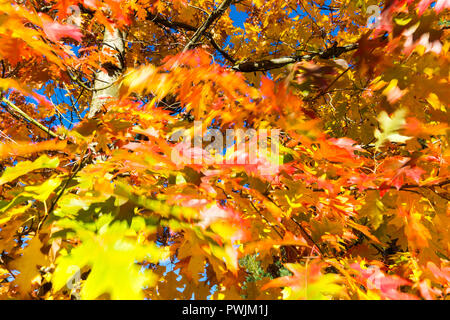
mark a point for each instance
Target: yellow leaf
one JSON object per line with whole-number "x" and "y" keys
{"x": 28, "y": 265}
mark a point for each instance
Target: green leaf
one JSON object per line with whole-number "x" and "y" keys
{"x": 161, "y": 207}
{"x": 389, "y": 127}
{"x": 373, "y": 210}
{"x": 25, "y": 167}
{"x": 403, "y": 21}
{"x": 70, "y": 204}
{"x": 13, "y": 213}
{"x": 43, "y": 191}
{"x": 111, "y": 252}
{"x": 40, "y": 192}
{"x": 6, "y": 205}
{"x": 180, "y": 179}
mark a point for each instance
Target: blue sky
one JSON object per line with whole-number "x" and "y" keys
{"x": 60, "y": 94}
{"x": 68, "y": 120}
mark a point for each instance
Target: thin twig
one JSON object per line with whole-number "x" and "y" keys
{"x": 75, "y": 170}
{"x": 216, "y": 14}
{"x": 269, "y": 64}
{"x": 26, "y": 117}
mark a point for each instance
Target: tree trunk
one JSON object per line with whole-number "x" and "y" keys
{"x": 105, "y": 86}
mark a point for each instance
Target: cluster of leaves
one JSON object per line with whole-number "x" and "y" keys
{"x": 98, "y": 208}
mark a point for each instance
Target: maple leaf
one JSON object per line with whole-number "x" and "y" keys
{"x": 375, "y": 279}
{"x": 28, "y": 264}
{"x": 116, "y": 199}
{"x": 441, "y": 5}
{"x": 347, "y": 144}
{"x": 389, "y": 128}
{"x": 438, "y": 7}
{"x": 423, "y": 5}
{"x": 55, "y": 31}
{"x": 441, "y": 274}
{"x": 25, "y": 167}
{"x": 225, "y": 222}
{"x": 307, "y": 282}
{"x": 112, "y": 257}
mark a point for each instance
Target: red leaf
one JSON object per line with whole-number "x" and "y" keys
{"x": 387, "y": 285}
{"x": 55, "y": 31}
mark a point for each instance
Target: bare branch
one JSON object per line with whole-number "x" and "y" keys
{"x": 269, "y": 64}
{"x": 26, "y": 117}
{"x": 216, "y": 14}
{"x": 159, "y": 19}
{"x": 253, "y": 66}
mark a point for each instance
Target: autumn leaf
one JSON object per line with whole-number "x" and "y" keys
{"x": 224, "y": 150}
{"x": 25, "y": 167}
{"x": 389, "y": 128}
{"x": 28, "y": 264}
{"x": 388, "y": 286}
{"x": 307, "y": 282}
{"x": 112, "y": 258}
{"x": 55, "y": 31}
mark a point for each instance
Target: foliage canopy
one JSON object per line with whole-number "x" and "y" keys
{"x": 94, "y": 206}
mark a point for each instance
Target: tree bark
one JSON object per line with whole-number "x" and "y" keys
{"x": 106, "y": 86}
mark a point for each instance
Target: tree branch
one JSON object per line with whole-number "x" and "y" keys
{"x": 219, "y": 49}
{"x": 216, "y": 14}
{"x": 159, "y": 19}
{"x": 24, "y": 116}
{"x": 253, "y": 66}
{"x": 105, "y": 84}
{"x": 405, "y": 187}
{"x": 269, "y": 64}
